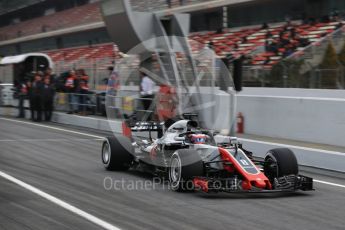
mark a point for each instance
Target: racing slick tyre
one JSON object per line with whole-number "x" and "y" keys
{"x": 117, "y": 153}
{"x": 280, "y": 162}
{"x": 184, "y": 165}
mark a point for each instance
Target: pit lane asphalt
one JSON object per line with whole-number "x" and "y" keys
{"x": 67, "y": 165}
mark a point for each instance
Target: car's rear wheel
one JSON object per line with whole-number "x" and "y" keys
{"x": 280, "y": 162}
{"x": 184, "y": 165}
{"x": 117, "y": 153}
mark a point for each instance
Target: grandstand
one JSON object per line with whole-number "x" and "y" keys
{"x": 7, "y": 6}
{"x": 76, "y": 16}
{"x": 73, "y": 33}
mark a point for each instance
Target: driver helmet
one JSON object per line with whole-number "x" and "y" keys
{"x": 198, "y": 138}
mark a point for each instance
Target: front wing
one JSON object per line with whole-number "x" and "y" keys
{"x": 290, "y": 183}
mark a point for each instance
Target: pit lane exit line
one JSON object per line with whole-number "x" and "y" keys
{"x": 329, "y": 183}
{"x": 51, "y": 127}
{"x": 60, "y": 203}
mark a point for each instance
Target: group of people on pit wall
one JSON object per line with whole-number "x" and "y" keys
{"x": 40, "y": 92}
{"x": 77, "y": 88}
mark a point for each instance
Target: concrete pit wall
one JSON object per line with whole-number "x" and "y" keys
{"x": 316, "y": 116}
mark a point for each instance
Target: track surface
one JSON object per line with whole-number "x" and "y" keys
{"x": 67, "y": 165}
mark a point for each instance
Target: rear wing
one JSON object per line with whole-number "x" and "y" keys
{"x": 145, "y": 126}
{"x": 153, "y": 126}
{"x": 190, "y": 116}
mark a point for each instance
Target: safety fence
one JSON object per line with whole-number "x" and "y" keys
{"x": 291, "y": 76}
{"x": 301, "y": 69}
{"x": 96, "y": 69}
{"x": 100, "y": 104}
{"x": 313, "y": 54}
{"x": 128, "y": 103}
{"x": 83, "y": 104}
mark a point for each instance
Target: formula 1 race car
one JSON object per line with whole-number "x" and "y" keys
{"x": 196, "y": 159}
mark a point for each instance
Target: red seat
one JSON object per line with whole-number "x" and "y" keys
{"x": 68, "y": 18}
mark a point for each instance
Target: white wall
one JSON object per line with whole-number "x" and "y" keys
{"x": 306, "y": 117}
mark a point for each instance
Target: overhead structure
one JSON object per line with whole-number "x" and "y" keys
{"x": 164, "y": 39}
{"x": 129, "y": 28}
{"x": 19, "y": 68}
{"x": 40, "y": 59}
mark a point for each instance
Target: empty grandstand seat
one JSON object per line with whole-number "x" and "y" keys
{"x": 65, "y": 58}
{"x": 81, "y": 15}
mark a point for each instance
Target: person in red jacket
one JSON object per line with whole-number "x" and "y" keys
{"x": 70, "y": 89}
{"x": 83, "y": 92}
{"x": 82, "y": 89}
{"x": 83, "y": 75}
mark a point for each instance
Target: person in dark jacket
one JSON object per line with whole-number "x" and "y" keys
{"x": 84, "y": 91}
{"x": 48, "y": 93}
{"x": 22, "y": 91}
{"x": 36, "y": 93}
{"x": 30, "y": 97}
{"x": 49, "y": 74}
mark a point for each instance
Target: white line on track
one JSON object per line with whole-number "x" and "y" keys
{"x": 293, "y": 146}
{"x": 51, "y": 127}
{"x": 329, "y": 183}
{"x": 50, "y": 140}
{"x": 60, "y": 203}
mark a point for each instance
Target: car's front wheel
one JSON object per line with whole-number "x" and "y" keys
{"x": 280, "y": 162}
{"x": 184, "y": 165}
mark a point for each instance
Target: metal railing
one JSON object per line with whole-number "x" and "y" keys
{"x": 96, "y": 69}
{"x": 131, "y": 104}
{"x": 96, "y": 104}
{"x": 291, "y": 77}
{"x": 156, "y": 5}
{"x": 314, "y": 53}
{"x": 84, "y": 104}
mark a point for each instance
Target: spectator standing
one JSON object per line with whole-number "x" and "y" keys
{"x": 36, "y": 93}
{"x": 49, "y": 74}
{"x": 22, "y": 91}
{"x": 147, "y": 87}
{"x": 113, "y": 84}
{"x": 112, "y": 87}
{"x": 48, "y": 99}
{"x": 83, "y": 75}
{"x": 30, "y": 97}
{"x": 1, "y": 99}
{"x": 82, "y": 90}
{"x": 264, "y": 26}
{"x": 70, "y": 89}
{"x": 338, "y": 26}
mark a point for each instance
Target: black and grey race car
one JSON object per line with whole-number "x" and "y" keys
{"x": 196, "y": 159}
